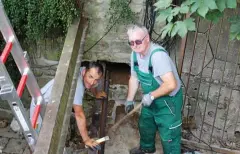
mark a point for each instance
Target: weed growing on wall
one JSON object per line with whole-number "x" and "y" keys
{"x": 120, "y": 13}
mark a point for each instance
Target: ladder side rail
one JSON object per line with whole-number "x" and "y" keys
{"x": 18, "y": 56}
{"x": 9, "y": 93}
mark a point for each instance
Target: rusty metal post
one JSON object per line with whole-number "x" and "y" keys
{"x": 104, "y": 110}
{"x": 182, "y": 50}
{"x": 182, "y": 53}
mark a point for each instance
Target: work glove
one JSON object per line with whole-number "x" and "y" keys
{"x": 146, "y": 100}
{"x": 129, "y": 105}
{"x": 92, "y": 144}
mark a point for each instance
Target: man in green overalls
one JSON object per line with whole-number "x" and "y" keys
{"x": 152, "y": 67}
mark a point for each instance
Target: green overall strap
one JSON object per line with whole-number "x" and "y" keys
{"x": 135, "y": 63}
{"x": 150, "y": 68}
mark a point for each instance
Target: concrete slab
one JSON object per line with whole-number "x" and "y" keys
{"x": 15, "y": 146}
{"x": 8, "y": 133}
{"x": 3, "y": 142}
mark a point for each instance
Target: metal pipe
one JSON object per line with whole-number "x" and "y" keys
{"x": 104, "y": 110}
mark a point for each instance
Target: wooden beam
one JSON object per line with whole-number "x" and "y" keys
{"x": 50, "y": 134}
{"x": 201, "y": 146}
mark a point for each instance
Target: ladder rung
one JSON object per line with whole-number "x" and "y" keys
{"x": 21, "y": 85}
{"x": 35, "y": 115}
{"x": 6, "y": 51}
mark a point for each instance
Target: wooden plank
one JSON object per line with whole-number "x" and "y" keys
{"x": 201, "y": 146}
{"x": 50, "y": 134}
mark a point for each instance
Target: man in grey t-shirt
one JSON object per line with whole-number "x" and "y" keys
{"x": 88, "y": 78}
{"x": 153, "y": 69}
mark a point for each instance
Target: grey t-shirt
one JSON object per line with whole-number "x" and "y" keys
{"x": 80, "y": 89}
{"x": 161, "y": 63}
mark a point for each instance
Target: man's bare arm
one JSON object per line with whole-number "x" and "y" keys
{"x": 169, "y": 84}
{"x": 81, "y": 121}
{"x": 132, "y": 88}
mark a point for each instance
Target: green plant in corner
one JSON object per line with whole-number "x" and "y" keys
{"x": 208, "y": 9}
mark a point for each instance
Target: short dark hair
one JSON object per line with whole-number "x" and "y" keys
{"x": 96, "y": 65}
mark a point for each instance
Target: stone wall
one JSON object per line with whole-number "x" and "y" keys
{"x": 44, "y": 58}
{"x": 113, "y": 47}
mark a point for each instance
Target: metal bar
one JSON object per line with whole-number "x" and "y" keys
{"x": 203, "y": 62}
{"x": 216, "y": 110}
{"x": 237, "y": 111}
{"x": 182, "y": 54}
{"x": 230, "y": 99}
{"x": 104, "y": 110}
{"x": 193, "y": 51}
{"x": 6, "y": 51}
{"x": 182, "y": 50}
{"x": 210, "y": 83}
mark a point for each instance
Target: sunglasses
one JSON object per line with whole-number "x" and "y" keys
{"x": 137, "y": 42}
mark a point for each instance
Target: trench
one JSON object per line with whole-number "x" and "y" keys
{"x": 126, "y": 136}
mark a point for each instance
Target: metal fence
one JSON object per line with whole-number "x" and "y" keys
{"x": 211, "y": 77}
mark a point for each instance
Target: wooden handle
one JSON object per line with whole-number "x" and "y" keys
{"x": 115, "y": 126}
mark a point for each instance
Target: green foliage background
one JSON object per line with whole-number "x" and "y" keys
{"x": 208, "y": 9}
{"x": 33, "y": 19}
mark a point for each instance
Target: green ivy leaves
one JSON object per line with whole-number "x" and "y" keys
{"x": 165, "y": 15}
{"x": 208, "y": 9}
{"x": 33, "y": 19}
{"x": 202, "y": 6}
{"x": 179, "y": 27}
{"x": 222, "y": 4}
{"x": 162, "y": 4}
{"x": 234, "y": 28}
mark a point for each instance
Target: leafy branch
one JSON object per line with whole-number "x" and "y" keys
{"x": 234, "y": 28}
{"x": 208, "y": 9}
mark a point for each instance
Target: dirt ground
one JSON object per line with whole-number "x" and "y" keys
{"x": 126, "y": 136}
